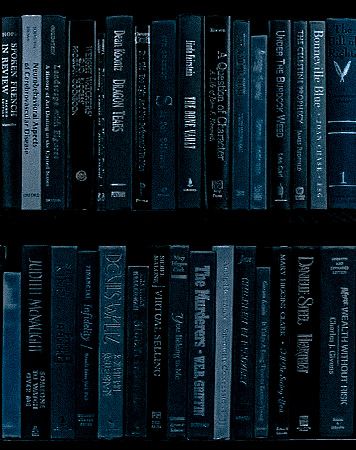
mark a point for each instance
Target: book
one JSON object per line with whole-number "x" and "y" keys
{"x": 100, "y": 122}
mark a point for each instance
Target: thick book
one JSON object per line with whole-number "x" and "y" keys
{"x": 263, "y": 300}
{"x": 340, "y": 112}
{"x": 31, "y": 186}
{"x": 86, "y": 342}
{"x": 136, "y": 345}
{"x": 258, "y": 123}
{"x": 111, "y": 358}
{"x": 54, "y": 111}
{"x": 223, "y": 339}
{"x": 63, "y": 315}
{"x": 299, "y": 125}
{"x": 318, "y": 175}
{"x": 11, "y": 112}
{"x": 11, "y": 356}
{"x": 177, "y": 341}
{"x": 163, "y": 92}
{"x": 190, "y": 110}
{"x": 240, "y": 120}
{"x": 243, "y": 365}
{"x": 119, "y": 48}
{"x": 337, "y": 341}
{"x": 279, "y": 85}
{"x": 100, "y": 122}
{"x": 142, "y": 157}
{"x": 81, "y": 116}
{"x": 217, "y": 110}
{"x": 35, "y": 342}
{"x": 201, "y": 345}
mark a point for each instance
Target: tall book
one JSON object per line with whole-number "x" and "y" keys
{"x": 63, "y": 315}
{"x": 341, "y": 123}
{"x": 100, "y": 122}
{"x": 112, "y": 300}
{"x": 240, "y": 120}
{"x": 190, "y": 110}
{"x": 136, "y": 344}
{"x": 243, "y": 365}
{"x": 258, "y": 123}
{"x": 217, "y": 110}
{"x": 177, "y": 341}
{"x": 54, "y": 109}
{"x": 119, "y": 48}
{"x": 86, "y": 342}
{"x": 11, "y": 356}
{"x": 279, "y": 81}
{"x": 4, "y": 264}
{"x": 35, "y": 342}
{"x": 10, "y": 112}
{"x": 31, "y": 190}
{"x": 223, "y": 339}
{"x": 337, "y": 341}
{"x": 163, "y": 92}
{"x": 317, "y": 121}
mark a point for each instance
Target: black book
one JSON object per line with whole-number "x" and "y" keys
{"x": 87, "y": 311}
{"x": 136, "y": 344}
{"x": 11, "y": 112}
{"x": 36, "y": 339}
{"x": 81, "y": 113}
{"x": 100, "y": 122}
{"x": 217, "y": 110}
{"x": 201, "y": 345}
{"x": 119, "y": 48}
{"x": 3, "y": 251}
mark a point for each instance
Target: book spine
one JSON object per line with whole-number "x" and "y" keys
{"x": 137, "y": 335}
{"x": 141, "y": 182}
{"x": 100, "y": 122}
{"x": 341, "y": 123}
{"x": 243, "y": 377}
{"x": 63, "y": 312}
{"x": 11, "y": 356}
{"x": 240, "y": 122}
{"x": 223, "y": 340}
{"x": 299, "y": 132}
{"x": 280, "y": 111}
{"x": 217, "y": 109}
{"x": 190, "y": 110}
{"x": 81, "y": 126}
{"x": 10, "y": 112}
{"x": 35, "y": 342}
{"x": 258, "y": 124}
{"x": 201, "y": 345}
{"x": 177, "y": 341}
{"x": 317, "y": 120}
{"x": 31, "y": 195}
{"x": 119, "y": 111}
{"x": 263, "y": 299}
{"x": 87, "y": 312}
{"x": 337, "y": 341}
{"x": 54, "y": 130}
{"x": 111, "y": 341}
{"x": 163, "y": 114}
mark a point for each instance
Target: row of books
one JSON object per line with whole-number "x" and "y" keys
{"x": 229, "y": 342}
{"x": 186, "y": 113}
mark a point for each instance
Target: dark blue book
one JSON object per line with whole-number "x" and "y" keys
{"x": 119, "y": 49}
{"x": 337, "y": 341}
{"x": 63, "y": 318}
{"x": 11, "y": 356}
{"x": 299, "y": 106}
{"x": 217, "y": 110}
{"x": 190, "y": 110}
{"x": 240, "y": 121}
{"x": 11, "y": 112}
{"x": 100, "y": 122}
{"x": 163, "y": 92}
{"x": 340, "y": 112}
{"x": 112, "y": 300}
{"x": 258, "y": 124}
{"x": 279, "y": 84}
